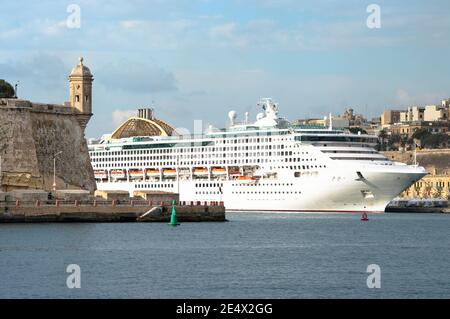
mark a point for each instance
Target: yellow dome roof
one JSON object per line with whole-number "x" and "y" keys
{"x": 136, "y": 126}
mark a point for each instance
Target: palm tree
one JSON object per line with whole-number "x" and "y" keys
{"x": 382, "y": 135}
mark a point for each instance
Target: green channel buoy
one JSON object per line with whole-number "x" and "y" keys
{"x": 173, "y": 217}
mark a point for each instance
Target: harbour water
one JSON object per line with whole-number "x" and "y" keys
{"x": 251, "y": 256}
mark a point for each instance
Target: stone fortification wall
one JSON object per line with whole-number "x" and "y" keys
{"x": 435, "y": 161}
{"x": 30, "y": 135}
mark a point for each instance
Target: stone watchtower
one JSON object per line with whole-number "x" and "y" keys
{"x": 80, "y": 81}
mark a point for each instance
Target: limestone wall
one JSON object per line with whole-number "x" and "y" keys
{"x": 435, "y": 161}
{"x": 29, "y": 138}
{"x": 60, "y": 132}
{"x": 19, "y": 166}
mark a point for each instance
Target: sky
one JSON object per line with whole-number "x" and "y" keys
{"x": 199, "y": 59}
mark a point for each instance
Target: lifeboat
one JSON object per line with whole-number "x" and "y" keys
{"x": 152, "y": 172}
{"x": 101, "y": 174}
{"x": 170, "y": 172}
{"x": 235, "y": 172}
{"x": 246, "y": 179}
{"x": 136, "y": 173}
{"x": 219, "y": 171}
{"x": 201, "y": 171}
{"x": 118, "y": 174}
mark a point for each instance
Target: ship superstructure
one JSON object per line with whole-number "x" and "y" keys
{"x": 268, "y": 165}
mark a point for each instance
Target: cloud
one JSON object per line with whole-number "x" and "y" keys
{"x": 53, "y": 29}
{"x": 42, "y": 73}
{"x": 420, "y": 98}
{"x": 136, "y": 77}
{"x": 120, "y": 116}
{"x": 223, "y": 30}
{"x": 154, "y": 34}
{"x": 402, "y": 97}
{"x": 131, "y": 24}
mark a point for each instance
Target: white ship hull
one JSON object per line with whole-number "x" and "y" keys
{"x": 270, "y": 165}
{"x": 341, "y": 192}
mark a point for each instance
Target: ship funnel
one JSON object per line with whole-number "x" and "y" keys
{"x": 146, "y": 113}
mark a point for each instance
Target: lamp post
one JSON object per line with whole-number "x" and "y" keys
{"x": 15, "y": 89}
{"x": 1, "y": 175}
{"x": 54, "y": 170}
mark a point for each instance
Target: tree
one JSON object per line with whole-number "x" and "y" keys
{"x": 6, "y": 90}
{"x": 434, "y": 140}
{"x": 430, "y": 140}
{"x": 394, "y": 141}
{"x": 355, "y": 130}
{"x": 420, "y": 133}
{"x": 382, "y": 136}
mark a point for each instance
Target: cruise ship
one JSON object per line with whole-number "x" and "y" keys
{"x": 268, "y": 165}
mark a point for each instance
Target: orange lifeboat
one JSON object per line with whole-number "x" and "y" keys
{"x": 246, "y": 178}
{"x": 219, "y": 170}
{"x": 170, "y": 172}
{"x": 136, "y": 173}
{"x": 152, "y": 172}
{"x": 201, "y": 171}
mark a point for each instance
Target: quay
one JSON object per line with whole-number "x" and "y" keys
{"x": 426, "y": 206}
{"x": 108, "y": 211}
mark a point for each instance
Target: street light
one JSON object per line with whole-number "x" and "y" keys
{"x": 1, "y": 176}
{"x": 54, "y": 170}
{"x": 15, "y": 89}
